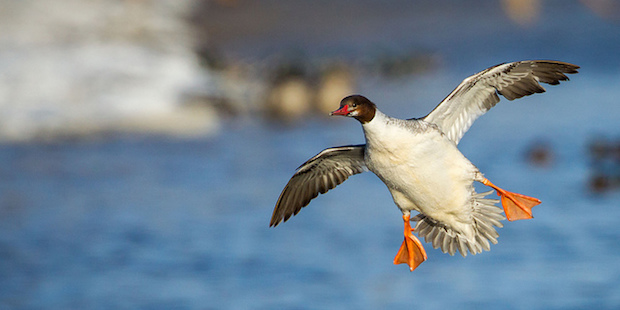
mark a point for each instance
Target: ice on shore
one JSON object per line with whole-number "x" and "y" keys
{"x": 70, "y": 67}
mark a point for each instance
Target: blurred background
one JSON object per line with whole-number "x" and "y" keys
{"x": 144, "y": 144}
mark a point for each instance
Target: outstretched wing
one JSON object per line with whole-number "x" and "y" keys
{"x": 479, "y": 92}
{"x": 319, "y": 174}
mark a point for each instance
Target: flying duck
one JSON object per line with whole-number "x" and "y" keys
{"x": 419, "y": 162}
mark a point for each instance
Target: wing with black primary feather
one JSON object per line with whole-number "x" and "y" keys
{"x": 319, "y": 174}
{"x": 479, "y": 92}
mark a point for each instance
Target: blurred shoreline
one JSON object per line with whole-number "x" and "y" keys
{"x": 180, "y": 68}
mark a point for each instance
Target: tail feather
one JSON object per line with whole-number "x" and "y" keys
{"x": 486, "y": 215}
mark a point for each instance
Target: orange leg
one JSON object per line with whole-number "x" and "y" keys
{"x": 411, "y": 251}
{"x": 516, "y": 206}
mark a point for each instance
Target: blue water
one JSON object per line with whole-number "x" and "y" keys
{"x": 148, "y": 222}
{"x": 156, "y": 223}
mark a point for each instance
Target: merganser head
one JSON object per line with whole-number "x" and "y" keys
{"x": 358, "y": 107}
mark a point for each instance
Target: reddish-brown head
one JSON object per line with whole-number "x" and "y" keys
{"x": 358, "y": 107}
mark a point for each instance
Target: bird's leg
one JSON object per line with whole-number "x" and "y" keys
{"x": 516, "y": 206}
{"x": 411, "y": 251}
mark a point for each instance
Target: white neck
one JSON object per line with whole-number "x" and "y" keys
{"x": 376, "y": 126}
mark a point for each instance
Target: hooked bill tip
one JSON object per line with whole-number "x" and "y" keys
{"x": 340, "y": 111}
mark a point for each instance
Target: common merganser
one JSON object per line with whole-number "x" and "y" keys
{"x": 420, "y": 163}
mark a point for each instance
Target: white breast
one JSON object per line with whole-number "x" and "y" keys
{"x": 423, "y": 169}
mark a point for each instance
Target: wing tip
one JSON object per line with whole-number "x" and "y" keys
{"x": 276, "y": 217}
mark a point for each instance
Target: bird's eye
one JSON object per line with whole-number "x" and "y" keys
{"x": 354, "y": 105}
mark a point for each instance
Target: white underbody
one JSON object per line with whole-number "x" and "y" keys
{"x": 422, "y": 168}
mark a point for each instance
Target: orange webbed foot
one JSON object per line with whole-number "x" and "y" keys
{"x": 516, "y": 206}
{"x": 411, "y": 251}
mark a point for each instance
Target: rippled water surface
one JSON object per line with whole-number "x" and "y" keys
{"x": 146, "y": 222}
